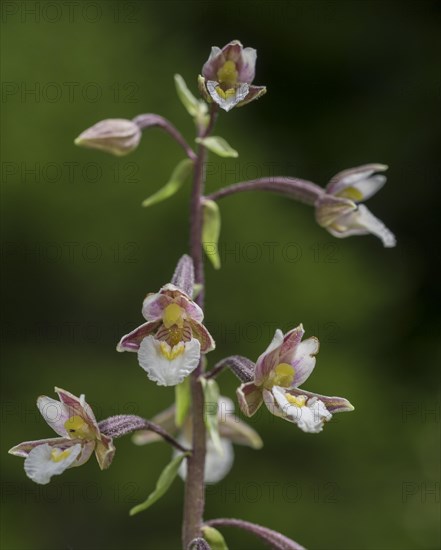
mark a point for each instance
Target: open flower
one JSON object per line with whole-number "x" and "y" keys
{"x": 278, "y": 373}
{"x": 218, "y": 461}
{"x": 73, "y": 420}
{"x": 227, "y": 76}
{"x": 170, "y": 344}
{"x": 338, "y": 209}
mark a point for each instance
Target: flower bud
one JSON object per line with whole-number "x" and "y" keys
{"x": 113, "y": 135}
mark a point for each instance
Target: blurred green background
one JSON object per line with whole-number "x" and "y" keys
{"x": 348, "y": 83}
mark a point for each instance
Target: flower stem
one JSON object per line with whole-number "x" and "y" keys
{"x": 149, "y": 120}
{"x": 295, "y": 188}
{"x": 195, "y": 486}
{"x": 123, "y": 424}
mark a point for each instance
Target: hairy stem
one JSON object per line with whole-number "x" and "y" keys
{"x": 195, "y": 486}
{"x": 149, "y": 120}
{"x": 123, "y": 424}
{"x": 295, "y": 188}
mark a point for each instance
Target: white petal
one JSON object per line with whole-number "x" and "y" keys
{"x": 309, "y": 417}
{"x": 229, "y": 102}
{"x": 40, "y": 466}
{"x": 275, "y": 342}
{"x": 363, "y": 179}
{"x": 363, "y": 222}
{"x": 369, "y": 186}
{"x": 165, "y": 371}
{"x": 304, "y": 360}
{"x": 55, "y": 413}
{"x": 217, "y": 464}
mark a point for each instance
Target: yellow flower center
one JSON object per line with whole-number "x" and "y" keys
{"x": 78, "y": 428}
{"x": 284, "y": 375}
{"x": 57, "y": 455}
{"x": 171, "y": 353}
{"x": 297, "y": 401}
{"x": 227, "y": 74}
{"x": 173, "y": 315}
{"x": 225, "y": 94}
{"x": 351, "y": 193}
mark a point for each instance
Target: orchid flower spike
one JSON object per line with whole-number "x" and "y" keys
{"x": 338, "y": 209}
{"x": 278, "y": 373}
{"x": 227, "y": 76}
{"x": 73, "y": 420}
{"x": 170, "y": 344}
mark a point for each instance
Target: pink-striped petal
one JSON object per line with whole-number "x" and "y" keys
{"x": 132, "y": 341}
{"x": 269, "y": 359}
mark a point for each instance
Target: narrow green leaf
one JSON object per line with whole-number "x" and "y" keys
{"x": 219, "y": 146}
{"x": 162, "y": 485}
{"x": 214, "y": 538}
{"x": 187, "y": 98}
{"x": 210, "y": 232}
{"x": 211, "y": 400}
{"x": 177, "y": 179}
{"x": 197, "y": 108}
{"x": 183, "y": 399}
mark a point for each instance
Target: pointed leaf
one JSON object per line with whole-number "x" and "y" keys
{"x": 210, "y": 232}
{"x": 188, "y": 100}
{"x": 196, "y": 108}
{"x": 219, "y": 146}
{"x": 183, "y": 400}
{"x": 163, "y": 484}
{"x": 214, "y": 538}
{"x": 211, "y": 400}
{"x": 177, "y": 179}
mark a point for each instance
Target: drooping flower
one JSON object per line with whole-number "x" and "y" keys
{"x": 279, "y": 371}
{"x": 117, "y": 136}
{"x": 73, "y": 420}
{"x": 338, "y": 209}
{"x": 227, "y": 76}
{"x": 170, "y": 344}
{"x": 218, "y": 460}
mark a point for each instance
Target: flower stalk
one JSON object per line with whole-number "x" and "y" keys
{"x": 194, "y": 502}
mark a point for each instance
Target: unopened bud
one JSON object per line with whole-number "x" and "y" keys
{"x": 113, "y": 135}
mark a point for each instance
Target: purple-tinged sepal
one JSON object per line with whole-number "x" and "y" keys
{"x": 117, "y": 136}
{"x": 338, "y": 209}
{"x": 279, "y": 371}
{"x": 227, "y": 76}
{"x": 183, "y": 277}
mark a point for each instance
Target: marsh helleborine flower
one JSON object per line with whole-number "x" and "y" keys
{"x": 278, "y": 373}
{"x": 73, "y": 420}
{"x": 117, "y": 136}
{"x": 170, "y": 344}
{"x": 338, "y": 211}
{"x": 227, "y": 76}
{"x": 218, "y": 461}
